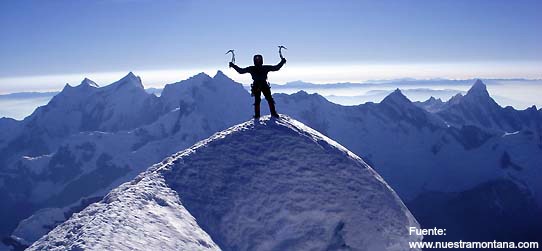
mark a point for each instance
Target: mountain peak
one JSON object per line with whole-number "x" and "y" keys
{"x": 86, "y": 87}
{"x": 431, "y": 105}
{"x": 201, "y": 75}
{"x": 531, "y": 108}
{"x": 396, "y": 97}
{"x": 478, "y": 95}
{"x": 130, "y": 80}
{"x": 88, "y": 82}
{"x": 478, "y": 89}
{"x": 455, "y": 99}
{"x": 302, "y": 95}
{"x": 66, "y": 87}
{"x": 220, "y": 75}
{"x": 433, "y": 100}
{"x": 302, "y": 172}
{"x": 131, "y": 76}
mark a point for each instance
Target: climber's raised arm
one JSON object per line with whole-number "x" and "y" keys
{"x": 278, "y": 66}
{"x": 239, "y": 69}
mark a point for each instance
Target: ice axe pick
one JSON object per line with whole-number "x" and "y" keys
{"x": 280, "y": 50}
{"x": 232, "y": 55}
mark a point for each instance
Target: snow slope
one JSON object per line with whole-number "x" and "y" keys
{"x": 140, "y": 215}
{"x": 261, "y": 185}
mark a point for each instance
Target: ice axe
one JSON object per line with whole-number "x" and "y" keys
{"x": 280, "y": 50}
{"x": 232, "y": 55}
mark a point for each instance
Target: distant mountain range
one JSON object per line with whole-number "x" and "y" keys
{"x": 466, "y": 164}
{"x": 399, "y": 82}
{"x": 23, "y": 95}
{"x": 20, "y": 105}
{"x": 27, "y": 95}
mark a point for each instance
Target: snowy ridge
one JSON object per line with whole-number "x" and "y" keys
{"x": 138, "y": 215}
{"x": 268, "y": 184}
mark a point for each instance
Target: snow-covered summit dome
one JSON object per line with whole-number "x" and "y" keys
{"x": 268, "y": 184}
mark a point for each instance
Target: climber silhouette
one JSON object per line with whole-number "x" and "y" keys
{"x": 260, "y": 84}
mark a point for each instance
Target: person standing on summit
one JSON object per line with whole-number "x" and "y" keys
{"x": 260, "y": 84}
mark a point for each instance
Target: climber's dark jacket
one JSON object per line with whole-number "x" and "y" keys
{"x": 259, "y": 73}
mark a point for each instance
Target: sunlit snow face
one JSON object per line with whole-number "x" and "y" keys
{"x": 258, "y": 60}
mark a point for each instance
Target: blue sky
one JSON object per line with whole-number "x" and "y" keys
{"x": 45, "y": 42}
